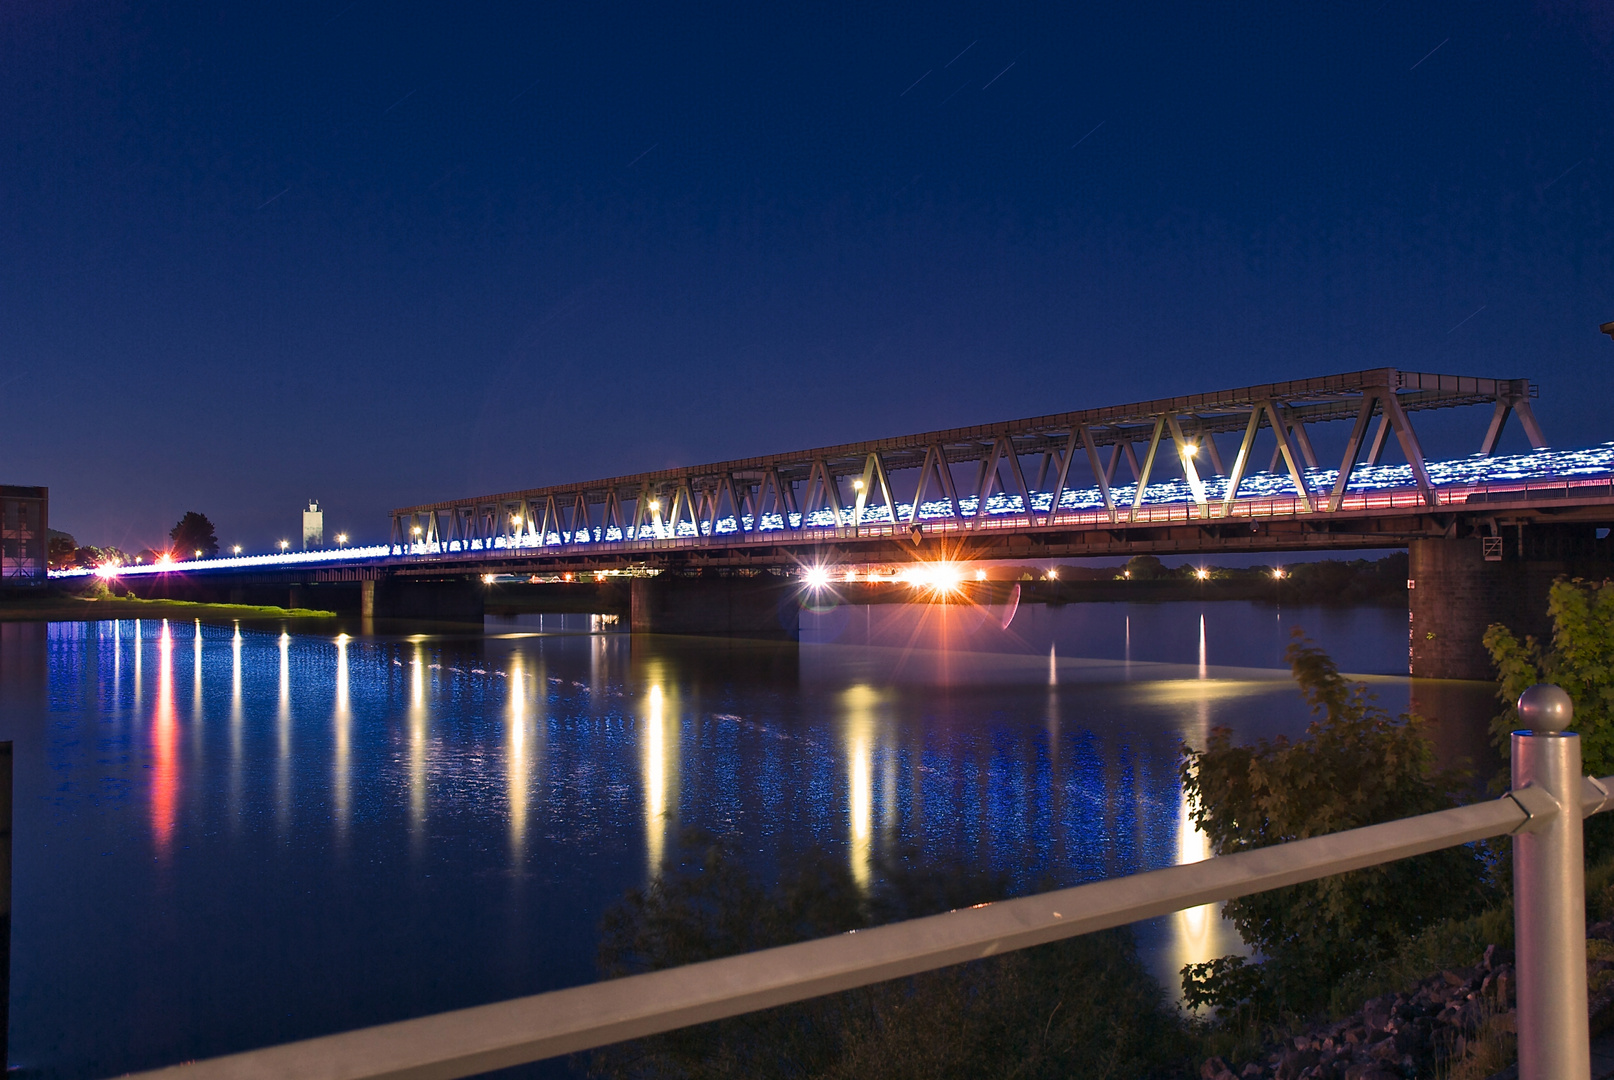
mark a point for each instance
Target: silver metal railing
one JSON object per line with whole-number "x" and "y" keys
{"x": 1540, "y": 812}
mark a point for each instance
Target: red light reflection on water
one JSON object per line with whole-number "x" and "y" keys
{"x": 165, "y": 750}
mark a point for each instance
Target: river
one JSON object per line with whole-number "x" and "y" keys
{"x": 229, "y": 836}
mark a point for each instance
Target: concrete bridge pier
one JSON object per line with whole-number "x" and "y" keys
{"x": 1457, "y": 588}
{"x": 765, "y": 607}
{"x": 461, "y": 600}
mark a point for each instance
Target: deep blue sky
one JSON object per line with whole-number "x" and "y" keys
{"x": 388, "y": 253}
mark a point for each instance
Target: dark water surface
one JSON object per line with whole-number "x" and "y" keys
{"x": 229, "y": 837}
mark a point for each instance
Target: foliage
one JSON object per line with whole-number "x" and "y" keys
{"x": 1357, "y": 766}
{"x": 192, "y": 533}
{"x": 1083, "y": 1006}
{"x": 59, "y": 550}
{"x": 1581, "y": 660}
{"x": 1145, "y": 568}
{"x": 1453, "y": 943}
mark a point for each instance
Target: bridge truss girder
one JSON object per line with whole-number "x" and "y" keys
{"x": 847, "y": 482}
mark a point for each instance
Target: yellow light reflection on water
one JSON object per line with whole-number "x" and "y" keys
{"x": 859, "y": 702}
{"x": 655, "y": 780}
{"x": 517, "y": 766}
{"x": 1194, "y": 930}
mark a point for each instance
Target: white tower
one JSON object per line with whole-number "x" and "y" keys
{"x": 313, "y": 526}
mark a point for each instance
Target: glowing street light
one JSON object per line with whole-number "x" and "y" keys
{"x": 1202, "y": 574}
{"x": 341, "y": 539}
{"x": 236, "y": 550}
{"x": 1278, "y": 574}
{"x": 198, "y": 553}
{"x": 1192, "y": 449}
{"x": 284, "y": 544}
{"x": 655, "y": 504}
{"x": 817, "y": 577}
{"x": 857, "y": 485}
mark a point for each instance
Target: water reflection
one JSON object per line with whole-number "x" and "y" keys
{"x": 417, "y": 724}
{"x": 164, "y": 751}
{"x": 283, "y": 737}
{"x": 858, "y": 708}
{"x": 1045, "y": 753}
{"x": 342, "y": 751}
{"x": 237, "y": 728}
{"x": 517, "y": 767}
{"x": 1196, "y": 939}
{"x": 655, "y": 779}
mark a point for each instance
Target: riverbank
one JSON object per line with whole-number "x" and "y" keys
{"x": 60, "y": 607}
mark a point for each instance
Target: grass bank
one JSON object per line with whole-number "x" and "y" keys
{"x": 67, "y": 608}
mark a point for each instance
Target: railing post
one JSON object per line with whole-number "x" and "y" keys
{"x": 1549, "y": 895}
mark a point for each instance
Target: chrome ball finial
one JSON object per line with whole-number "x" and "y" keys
{"x": 1545, "y": 708}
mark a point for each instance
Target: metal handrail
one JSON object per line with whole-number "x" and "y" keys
{"x": 522, "y": 1030}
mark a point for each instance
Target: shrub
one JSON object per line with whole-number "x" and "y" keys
{"x": 1581, "y": 660}
{"x": 1356, "y": 766}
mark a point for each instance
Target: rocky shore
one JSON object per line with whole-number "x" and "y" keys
{"x": 1439, "y": 1026}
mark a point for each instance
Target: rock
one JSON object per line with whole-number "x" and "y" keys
{"x": 1212, "y": 1068}
{"x": 1296, "y": 1062}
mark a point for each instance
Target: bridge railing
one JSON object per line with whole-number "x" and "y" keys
{"x": 1148, "y": 514}
{"x": 1543, "y": 813}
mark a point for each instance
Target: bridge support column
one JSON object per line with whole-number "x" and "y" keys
{"x": 1455, "y": 592}
{"x": 452, "y": 600}
{"x": 764, "y": 607}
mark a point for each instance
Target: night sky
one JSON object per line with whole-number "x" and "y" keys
{"x": 381, "y": 254}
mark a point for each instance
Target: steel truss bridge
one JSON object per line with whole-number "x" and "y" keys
{"x": 1176, "y": 474}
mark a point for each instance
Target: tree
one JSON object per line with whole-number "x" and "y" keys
{"x": 59, "y": 550}
{"x": 1581, "y": 660}
{"x": 1356, "y": 766}
{"x": 1145, "y": 568}
{"x": 193, "y": 533}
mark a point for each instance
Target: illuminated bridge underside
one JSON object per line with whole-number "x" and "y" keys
{"x": 1051, "y": 485}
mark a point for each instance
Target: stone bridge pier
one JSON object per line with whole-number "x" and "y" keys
{"x": 765, "y": 607}
{"x": 1459, "y": 587}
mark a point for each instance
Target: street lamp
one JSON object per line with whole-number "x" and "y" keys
{"x": 236, "y": 550}
{"x": 341, "y": 539}
{"x": 284, "y": 544}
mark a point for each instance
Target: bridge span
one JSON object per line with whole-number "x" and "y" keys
{"x": 1050, "y": 486}
{"x": 1228, "y": 471}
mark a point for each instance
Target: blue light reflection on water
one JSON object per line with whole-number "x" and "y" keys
{"x": 228, "y": 839}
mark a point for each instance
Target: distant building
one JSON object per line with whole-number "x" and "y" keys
{"x": 24, "y": 525}
{"x": 313, "y": 526}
